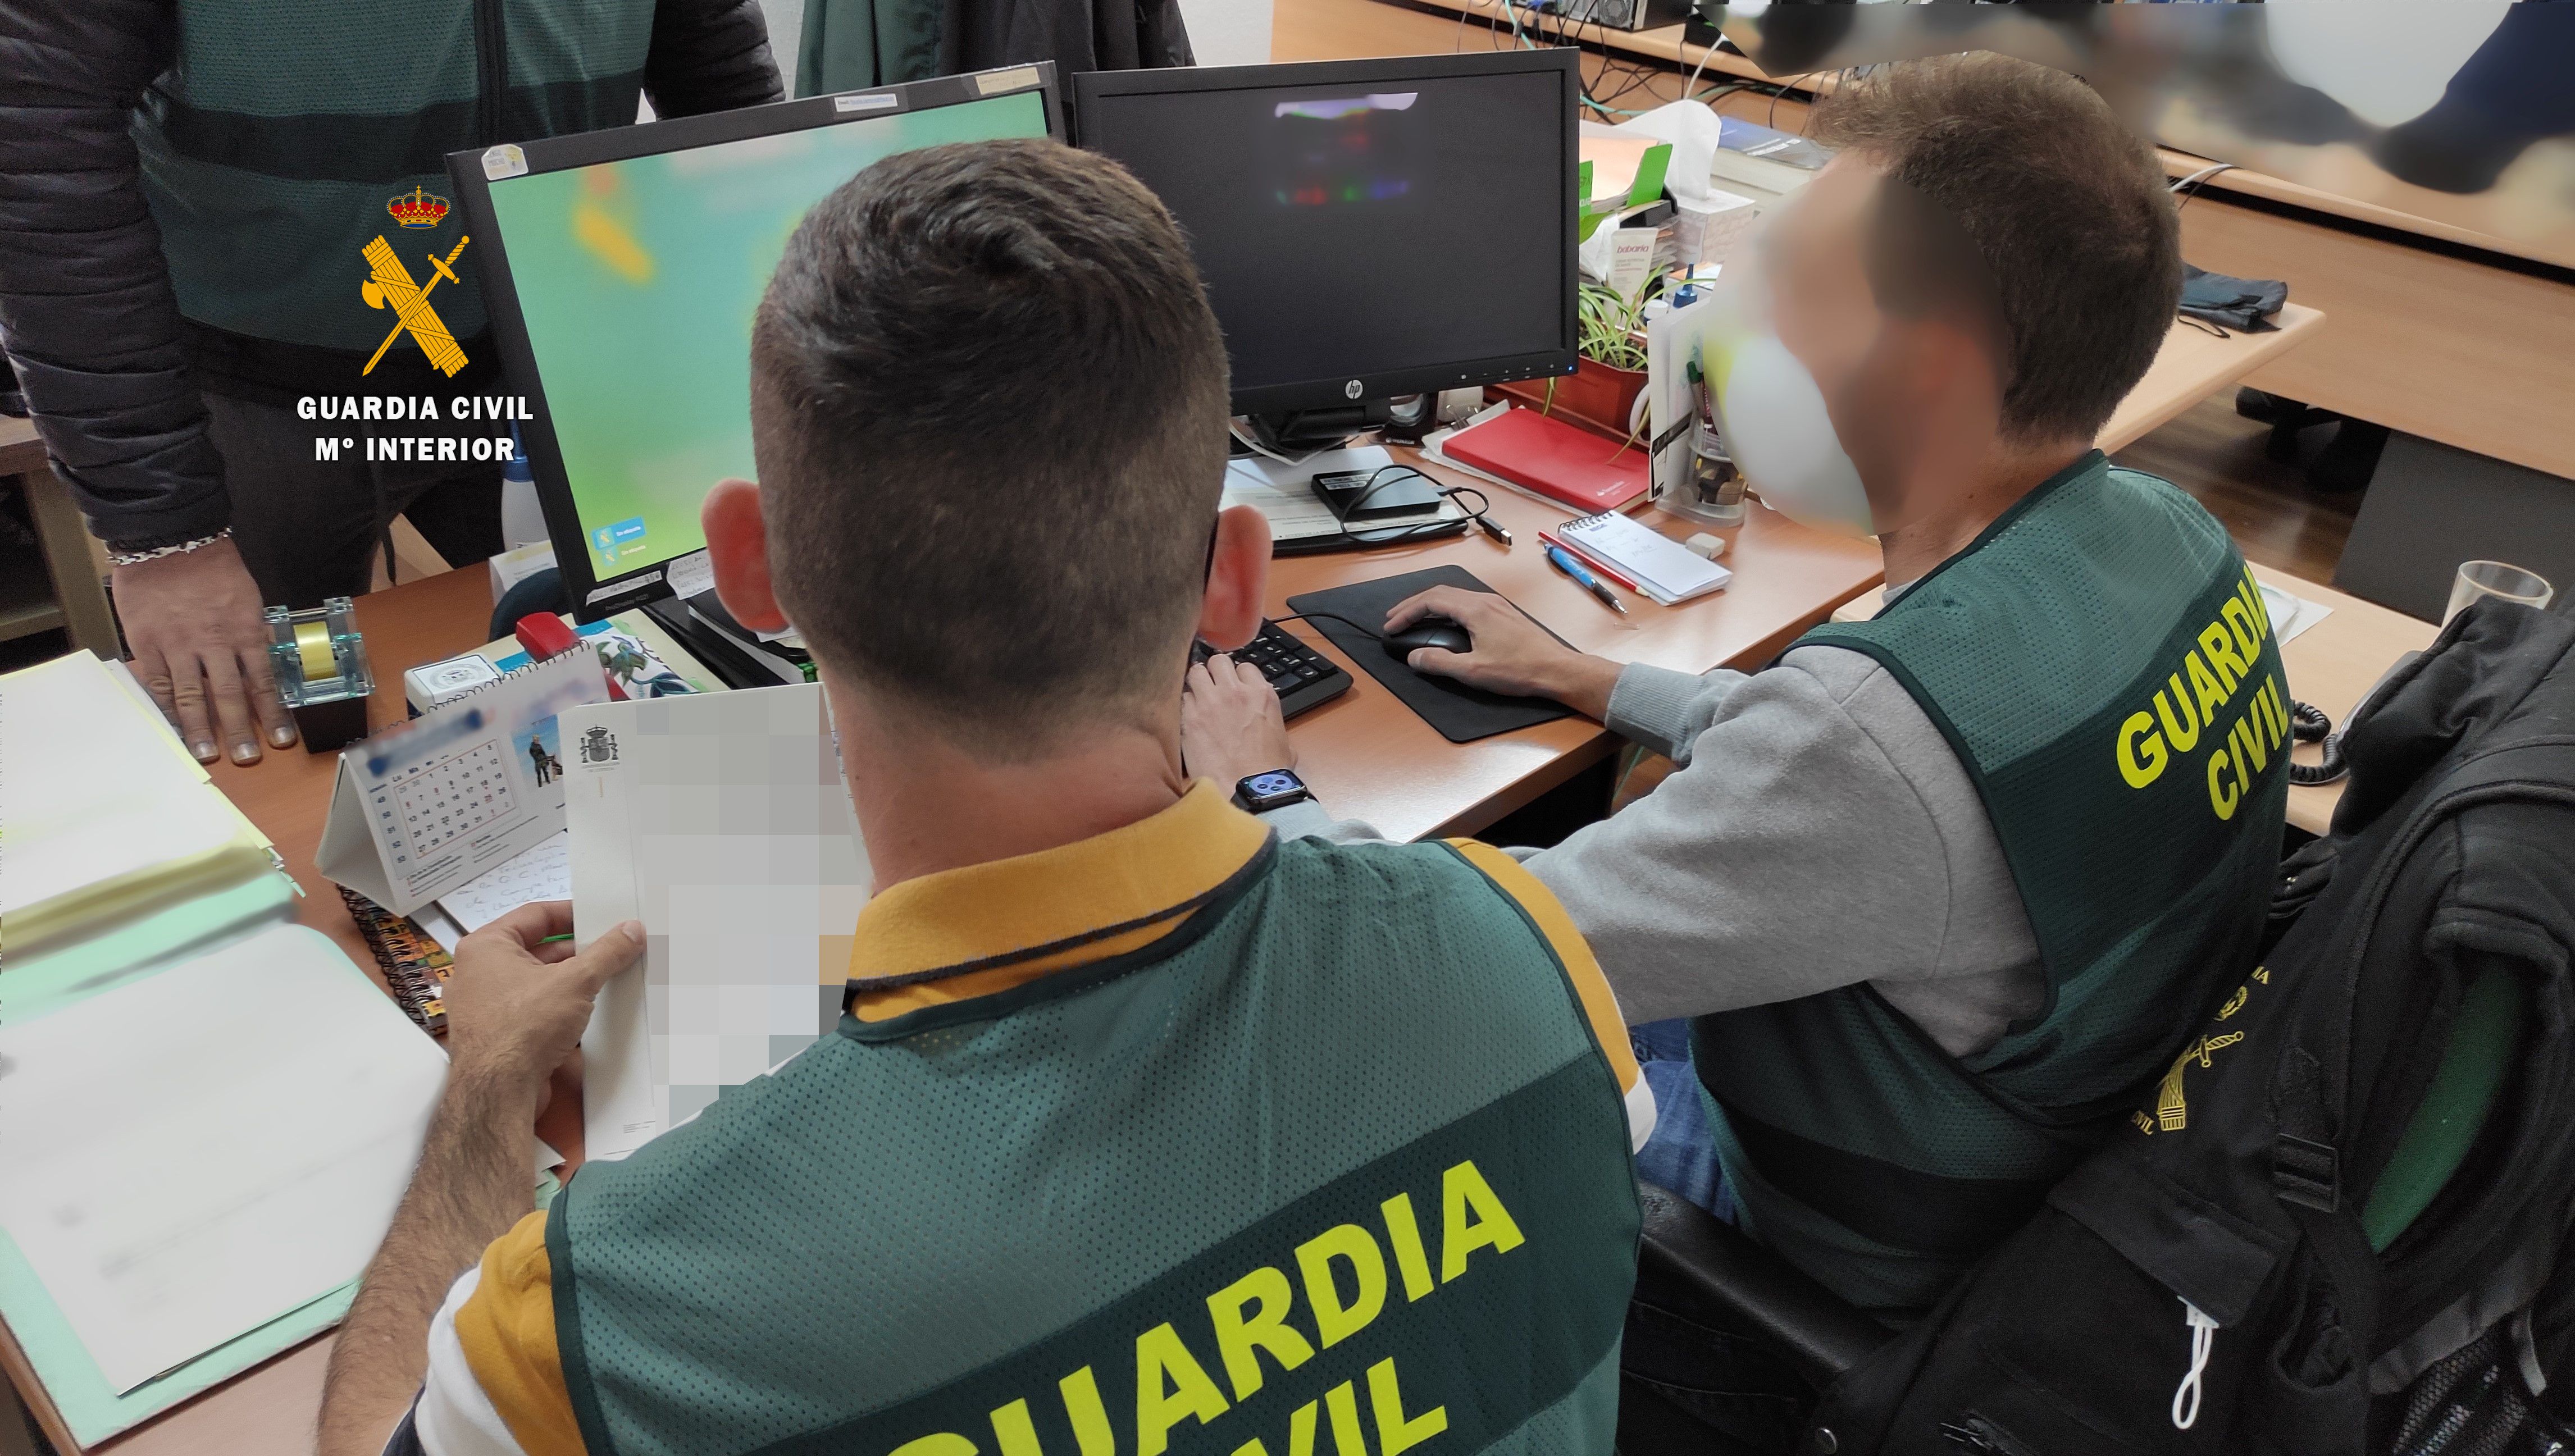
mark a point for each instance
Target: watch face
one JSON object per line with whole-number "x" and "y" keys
{"x": 1262, "y": 785}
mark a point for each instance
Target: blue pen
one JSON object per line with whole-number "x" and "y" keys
{"x": 1563, "y": 562}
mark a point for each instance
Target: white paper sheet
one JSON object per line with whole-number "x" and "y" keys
{"x": 195, "y": 1153}
{"x": 540, "y": 872}
{"x": 722, "y": 822}
{"x": 2291, "y": 613}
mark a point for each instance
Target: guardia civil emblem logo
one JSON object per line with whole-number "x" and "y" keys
{"x": 393, "y": 286}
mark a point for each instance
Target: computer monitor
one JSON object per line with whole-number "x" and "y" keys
{"x": 621, "y": 268}
{"x": 1366, "y": 229}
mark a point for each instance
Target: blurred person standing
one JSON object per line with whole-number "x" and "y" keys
{"x": 204, "y": 208}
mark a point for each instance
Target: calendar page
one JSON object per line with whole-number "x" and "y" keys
{"x": 427, "y": 807}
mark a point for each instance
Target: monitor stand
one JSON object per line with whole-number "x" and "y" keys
{"x": 1297, "y": 431}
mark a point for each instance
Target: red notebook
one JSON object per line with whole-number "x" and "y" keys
{"x": 1590, "y": 473}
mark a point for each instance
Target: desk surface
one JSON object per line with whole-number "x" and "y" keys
{"x": 2331, "y": 664}
{"x": 1366, "y": 753}
{"x": 2195, "y": 364}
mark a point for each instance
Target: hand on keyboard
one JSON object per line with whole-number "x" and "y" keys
{"x": 1230, "y": 725}
{"x": 1302, "y": 676}
{"x": 1226, "y": 721}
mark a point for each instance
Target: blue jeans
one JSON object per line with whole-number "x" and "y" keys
{"x": 1681, "y": 1155}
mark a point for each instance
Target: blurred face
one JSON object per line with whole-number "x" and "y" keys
{"x": 1848, "y": 409}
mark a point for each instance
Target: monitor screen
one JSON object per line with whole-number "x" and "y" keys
{"x": 1406, "y": 224}
{"x": 634, "y": 282}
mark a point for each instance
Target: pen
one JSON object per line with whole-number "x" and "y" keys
{"x": 550, "y": 940}
{"x": 1563, "y": 562}
{"x": 1596, "y": 567}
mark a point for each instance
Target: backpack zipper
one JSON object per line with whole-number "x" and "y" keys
{"x": 1976, "y": 1435}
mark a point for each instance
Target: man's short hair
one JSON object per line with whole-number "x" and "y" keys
{"x": 989, "y": 410}
{"x": 2064, "y": 202}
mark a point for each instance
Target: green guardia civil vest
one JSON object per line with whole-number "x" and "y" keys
{"x": 2102, "y": 664}
{"x": 1335, "y": 1167}
{"x": 272, "y": 145}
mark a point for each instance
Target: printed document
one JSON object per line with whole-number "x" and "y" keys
{"x": 722, "y": 822}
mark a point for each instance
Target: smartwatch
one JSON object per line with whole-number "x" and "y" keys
{"x": 1277, "y": 789}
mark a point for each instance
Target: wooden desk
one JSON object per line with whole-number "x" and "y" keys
{"x": 1370, "y": 757}
{"x": 2331, "y": 664}
{"x": 2195, "y": 364}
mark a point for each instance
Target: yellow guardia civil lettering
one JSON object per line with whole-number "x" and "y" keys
{"x": 1474, "y": 1218}
{"x": 1169, "y": 1384}
{"x": 1335, "y": 1320}
{"x": 2225, "y": 654}
{"x": 1405, "y": 1235}
{"x": 1239, "y": 1338}
{"x": 1257, "y": 1316}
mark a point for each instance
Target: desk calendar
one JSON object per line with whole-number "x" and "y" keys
{"x": 426, "y": 806}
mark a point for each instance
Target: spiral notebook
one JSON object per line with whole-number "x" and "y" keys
{"x": 1660, "y": 566}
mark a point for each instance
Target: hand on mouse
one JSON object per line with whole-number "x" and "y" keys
{"x": 1512, "y": 653}
{"x": 1230, "y": 726}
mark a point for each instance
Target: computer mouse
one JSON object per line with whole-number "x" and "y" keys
{"x": 1430, "y": 631}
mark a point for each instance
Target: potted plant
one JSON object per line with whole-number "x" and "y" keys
{"x": 1602, "y": 392}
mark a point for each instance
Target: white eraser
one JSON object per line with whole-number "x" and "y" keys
{"x": 1706, "y": 544}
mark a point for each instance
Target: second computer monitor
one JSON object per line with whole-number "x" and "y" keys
{"x": 1365, "y": 228}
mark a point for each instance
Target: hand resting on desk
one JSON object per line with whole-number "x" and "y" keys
{"x": 1511, "y": 653}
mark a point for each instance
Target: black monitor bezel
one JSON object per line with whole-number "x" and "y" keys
{"x": 593, "y": 597}
{"x": 1090, "y": 87}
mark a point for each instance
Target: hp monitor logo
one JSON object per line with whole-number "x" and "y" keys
{"x": 1351, "y": 391}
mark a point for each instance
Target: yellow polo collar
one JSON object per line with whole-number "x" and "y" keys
{"x": 1136, "y": 882}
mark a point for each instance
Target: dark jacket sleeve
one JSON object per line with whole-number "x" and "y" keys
{"x": 708, "y": 55}
{"x": 86, "y": 308}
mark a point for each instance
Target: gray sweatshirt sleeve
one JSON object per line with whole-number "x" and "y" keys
{"x": 1657, "y": 706}
{"x": 1820, "y": 834}
{"x": 1664, "y": 711}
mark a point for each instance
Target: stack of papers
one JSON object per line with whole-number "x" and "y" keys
{"x": 1284, "y": 495}
{"x": 1643, "y": 559}
{"x": 107, "y": 817}
{"x": 197, "y": 1152}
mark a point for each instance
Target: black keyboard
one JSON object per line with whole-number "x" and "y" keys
{"x": 1302, "y": 676}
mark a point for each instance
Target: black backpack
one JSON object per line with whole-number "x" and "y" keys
{"x": 2335, "y": 1225}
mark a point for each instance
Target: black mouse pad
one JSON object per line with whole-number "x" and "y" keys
{"x": 1461, "y": 713}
